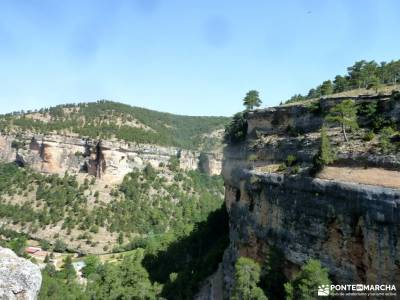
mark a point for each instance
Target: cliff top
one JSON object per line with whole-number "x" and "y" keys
{"x": 360, "y": 93}
{"x": 287, "y": 140}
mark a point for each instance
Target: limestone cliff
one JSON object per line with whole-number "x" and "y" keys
{"x": 111, "y": 159}
{"x": 19, "y": 278}
{"x": 352, "y": 226}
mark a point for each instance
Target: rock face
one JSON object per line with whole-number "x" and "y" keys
{"x": 19, "y": 278}
{"x": 353, "y": 229}
{"x": 111, "y": 159}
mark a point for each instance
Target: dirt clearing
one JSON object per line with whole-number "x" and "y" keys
{"x": 372, "y": 176}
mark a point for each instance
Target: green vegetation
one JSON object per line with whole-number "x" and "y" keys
{"x": 374, "y": 115}
{"x": 181, "y": 265}
{"x": 164, "y": 266}
{"x": 92, "y": 263}
{"x": 57, "y": 198}
{"x": 386, "y": 140}
{"x": 126, "y": 280}
{"x": 13, "y": 240}
{"x": 252, "y": 99}
{"x": 247, "y": 276}
{"x": 305, "y": 285}
{"x": 325, "y": 155}
{"x": 363, "y": 74}
{"x": 236, "y": 130}
{"x": 254, "y": 282}
{"x": 56, "y": 286}
{"x": 290, "y": 165}
{"x": 187, "y": 200}
{"x": 107, "y": 119}
{"x": 369, "y": 136}
{"x": 344, "y": 113}
{"x": 145, "y": 202}
{"x": 168, "y": 214}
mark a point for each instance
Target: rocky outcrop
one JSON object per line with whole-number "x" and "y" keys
{"x": 19, "y": 278}
{"x": 353, "y": 229}
{"x": 210, "y": 163}
{"x": 110, "y": 159}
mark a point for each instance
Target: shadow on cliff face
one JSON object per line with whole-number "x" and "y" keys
{"x": 273, "y": 277}
{"x": 186, "y": 263}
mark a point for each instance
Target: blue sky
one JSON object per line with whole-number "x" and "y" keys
{"x": 196, "y": 57}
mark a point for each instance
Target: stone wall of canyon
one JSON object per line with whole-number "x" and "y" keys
{"x": 111, "y": 160}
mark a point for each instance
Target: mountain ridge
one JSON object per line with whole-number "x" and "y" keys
{"x": 107, "y": 119}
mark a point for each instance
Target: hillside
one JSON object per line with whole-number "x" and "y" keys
{"x": 106, "y": 178}
{"x": 112, "y": 120}
{"x": 94, "y": 175}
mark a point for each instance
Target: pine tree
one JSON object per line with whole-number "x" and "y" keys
{"x": 326, "y": 154}
{"x": 305, "y": 285}
{"x": 247, "y": 276}
{"x": 252, "y": 99}
{"x": 374, "y": 83}
{"x": 326, "y": 88}
{"x": 344, "y": 113}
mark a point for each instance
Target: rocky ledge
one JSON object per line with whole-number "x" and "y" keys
{"x": 19, "y": 278}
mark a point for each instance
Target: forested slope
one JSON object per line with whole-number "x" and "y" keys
{"x": 106, "y": 119}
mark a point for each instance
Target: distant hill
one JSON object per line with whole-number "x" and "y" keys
{"x": 107, "y": 119}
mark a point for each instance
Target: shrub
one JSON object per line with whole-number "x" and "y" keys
{"x": 236, "y": 130}
{"x": 45, "y": 245}
{"x": 305, "y": 284}
{"x": 94, "y": 229}
{"x": 368, "y": 136}
{"x": 173, "y": 163}
{"x": 385, "y": 143}
{"x": 325, "y": 155}
{"x": 60, "y": 246}
{"x": 290, "y": 160}
{"x": 315, "y": 107}
{"x": 295, "y": 169}
{"x": 149, "y": 172}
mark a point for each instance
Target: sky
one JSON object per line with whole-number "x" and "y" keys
{"x": 195, "y": 57}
